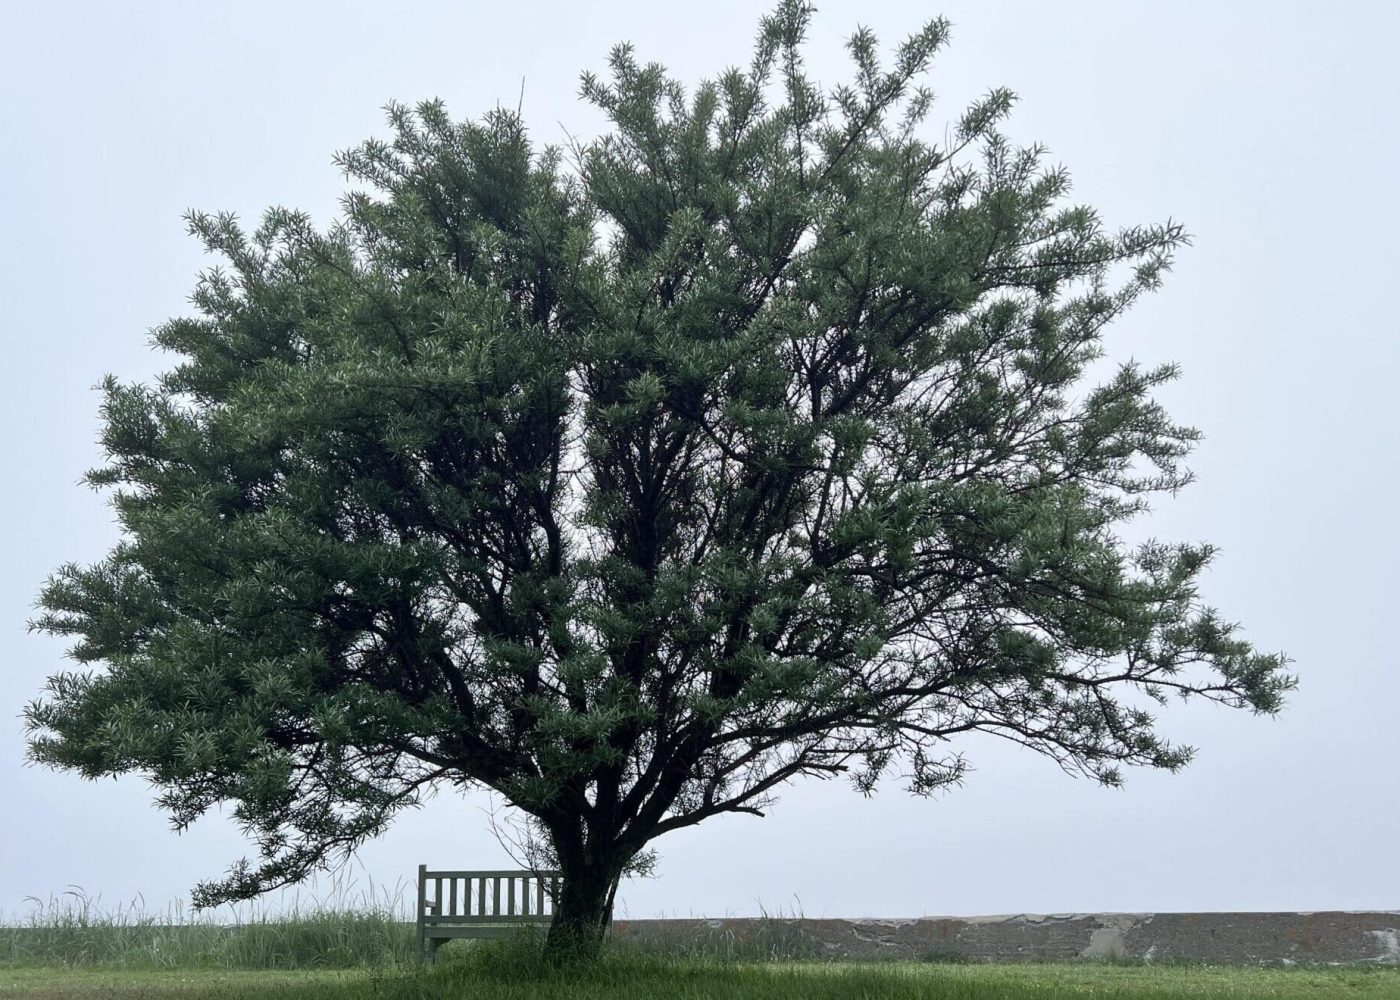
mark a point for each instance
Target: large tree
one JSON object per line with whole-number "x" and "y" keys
{"x": 748, "y": 442}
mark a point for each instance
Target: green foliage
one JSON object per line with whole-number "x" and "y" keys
{"x": 748, "y": 441}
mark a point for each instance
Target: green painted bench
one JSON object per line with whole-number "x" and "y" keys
{"x": 454, "y": 904}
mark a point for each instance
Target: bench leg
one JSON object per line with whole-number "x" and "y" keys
{"x": 433, "y": 945}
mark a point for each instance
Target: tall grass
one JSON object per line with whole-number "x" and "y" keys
{"x": 773, "y": 937}
{"x": 75, "y": 930}
{"x": 345, "y": 930}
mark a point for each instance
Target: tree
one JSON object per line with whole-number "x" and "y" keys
{"x": 751, "y": 441}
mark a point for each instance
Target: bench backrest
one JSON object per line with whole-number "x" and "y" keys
{"x": 494, "y": 897}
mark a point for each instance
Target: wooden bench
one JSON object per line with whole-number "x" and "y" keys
{"x": 480, "y": 905}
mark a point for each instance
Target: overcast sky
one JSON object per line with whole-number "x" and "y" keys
{"x": 1268, "y": 128}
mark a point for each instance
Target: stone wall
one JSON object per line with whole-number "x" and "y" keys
{"x": 1335, "y": 937}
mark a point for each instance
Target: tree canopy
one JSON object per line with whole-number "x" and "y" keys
{"x": 749, "y": 441}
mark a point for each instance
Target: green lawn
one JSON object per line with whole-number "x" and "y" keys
{"x": 499, "y": 978}
{"x": 366, "y": 954}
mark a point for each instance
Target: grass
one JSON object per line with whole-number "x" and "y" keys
{"x": 74, "y": 932}
{"x": 484, "y": 975}
{"x": 67, "y": 949}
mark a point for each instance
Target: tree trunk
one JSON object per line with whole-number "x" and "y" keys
{"x": 583, "y": 910}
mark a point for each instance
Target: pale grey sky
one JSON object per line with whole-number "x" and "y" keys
{"x": 1268, "y": 128}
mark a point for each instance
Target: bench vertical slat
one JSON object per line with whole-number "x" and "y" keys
{"x": 525, "y": 896}
{"x": 539, "y": 895}
{"x": 510, "y": 897}
{"x": 496, "y": 896}
{"x": 437, "y": 894}
{"x": 481, "y": 897}
{"x": 452, "y": 895}
{"x": 422, "y": 911}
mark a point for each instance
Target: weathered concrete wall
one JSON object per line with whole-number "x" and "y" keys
{"x": 1336, "y": 937}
